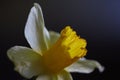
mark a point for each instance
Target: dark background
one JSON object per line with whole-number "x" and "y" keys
{"x": 98, "y": 21}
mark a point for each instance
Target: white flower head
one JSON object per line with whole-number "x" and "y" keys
{"x": 52, "y": 56}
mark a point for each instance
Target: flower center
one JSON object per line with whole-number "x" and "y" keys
{"x": 68, "y": 48}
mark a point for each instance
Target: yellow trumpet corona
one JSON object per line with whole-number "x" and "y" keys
{"x": 67, "y": 49}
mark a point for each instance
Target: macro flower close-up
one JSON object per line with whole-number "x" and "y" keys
{"x": 53, "y": 55}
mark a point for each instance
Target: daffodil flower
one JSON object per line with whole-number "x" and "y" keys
{"x": 52, "y": 56}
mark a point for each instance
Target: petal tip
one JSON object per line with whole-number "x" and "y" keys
{"x": 102, "y": 68}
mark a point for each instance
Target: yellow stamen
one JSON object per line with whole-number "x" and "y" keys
{"x": 65, "y": 51}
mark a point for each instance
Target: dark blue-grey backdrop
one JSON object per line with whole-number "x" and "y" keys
{"x": 98, "y": 21}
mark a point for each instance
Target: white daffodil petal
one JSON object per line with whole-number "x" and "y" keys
{"x": 27, "y": 62}
{"x": 53, "y": 37}
{"x": 47, "y": 77}
{"x": 64, "y": 75}
{"x": 35, "y": 30}
{"x": 85, "y": 66}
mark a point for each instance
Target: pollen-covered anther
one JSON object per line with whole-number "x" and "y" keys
{"x": 68, "y": 48}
